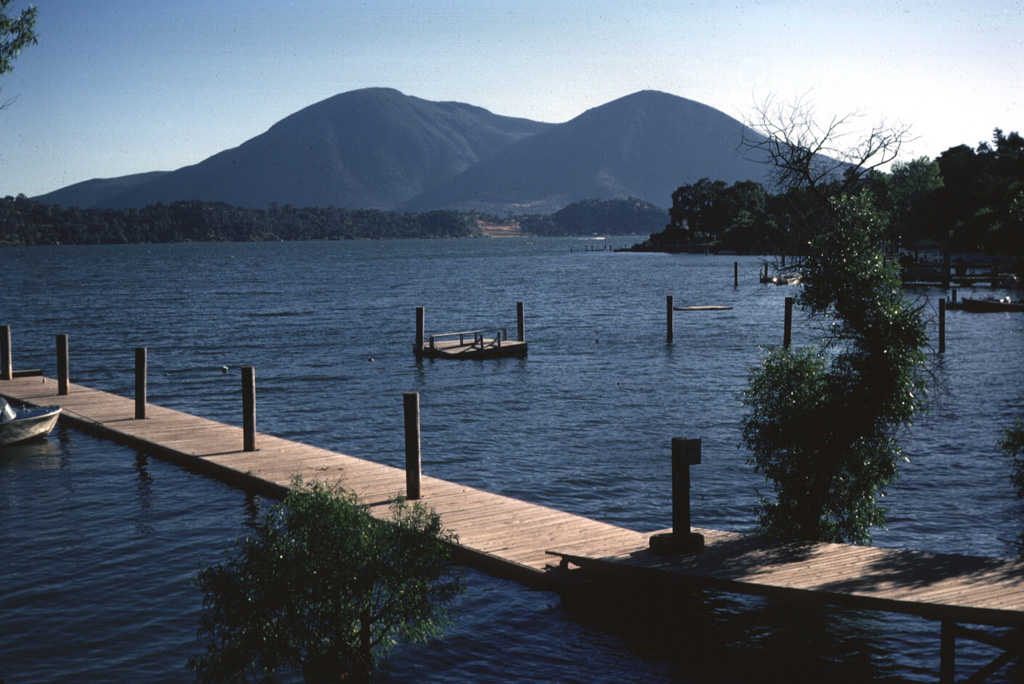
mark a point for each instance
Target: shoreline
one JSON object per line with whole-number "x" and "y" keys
{"x": 501, "y": 230}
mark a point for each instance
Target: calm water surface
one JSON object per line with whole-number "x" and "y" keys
{"x": 98, "y": 542}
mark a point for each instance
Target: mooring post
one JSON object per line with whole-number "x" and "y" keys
{"x": 420, "y": 323}
{"x": 520, "y": 322}
{"x": 735, "y": 274}
{"x": 942, "y": 325}
{"x": 945, "y": 268}
{"x": 947, "y": 652}
{"x": 248, "y": 408}
{"x": 787, "y": 334}
{"x": 140, "y": 383}
{"x": 685, "y": 453}
{"x": 765, "y": 278}
{"x": 6, "y": 370}
{"x": 668, "y": 307}
{"x": 952, "y": 297}
{"x": 62, "y": 365}
{"x": 411, "y": 404}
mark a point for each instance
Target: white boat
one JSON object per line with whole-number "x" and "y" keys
{"x": 25, "y": 424}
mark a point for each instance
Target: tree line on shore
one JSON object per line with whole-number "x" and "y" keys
{"x": 968, "y": 199}
{"x": 26, "y": 222}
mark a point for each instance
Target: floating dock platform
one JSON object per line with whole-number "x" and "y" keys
{"x": 469, "y": 344}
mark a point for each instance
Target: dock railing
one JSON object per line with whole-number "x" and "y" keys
{"x": 479, "y": 338}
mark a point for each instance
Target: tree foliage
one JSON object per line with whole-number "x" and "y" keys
{"x": 322, "y": 588}
{"x": 823, "y": 422}
{"x": 24, "y": 222}
{"x": 1012, "y": 444}
{"x": 602, "y": 217}
{"x": 979, "y": 207}
{"x": 970, "y": 199}
{"x": 16, "y": 33}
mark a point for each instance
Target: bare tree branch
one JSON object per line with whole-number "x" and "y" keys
{"x": 804, "y": 153}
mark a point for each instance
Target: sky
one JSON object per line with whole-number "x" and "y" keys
{"x": 116, "y": 87}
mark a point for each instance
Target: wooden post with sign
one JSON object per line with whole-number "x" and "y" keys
{"x": 685, "y": 453}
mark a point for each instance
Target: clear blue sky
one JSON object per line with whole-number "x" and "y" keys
{"x": 116, "y": 87}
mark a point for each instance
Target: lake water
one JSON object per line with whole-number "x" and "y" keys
{"x": 98, "y": 542}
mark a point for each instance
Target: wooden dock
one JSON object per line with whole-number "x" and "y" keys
{"x": 469, "y": 344}
{"x": 547, "y": 548}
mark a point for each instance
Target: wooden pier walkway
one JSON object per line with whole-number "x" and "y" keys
{"x": 544, "y": 547}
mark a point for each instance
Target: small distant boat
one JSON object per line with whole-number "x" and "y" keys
{"x": 789, "y": 279}
{"x": 26, "y": 423}
{"x": 987, "y": 305}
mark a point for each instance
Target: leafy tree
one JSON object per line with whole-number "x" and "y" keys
{"x": 823, "y": 422}
{"x": 911, "y": 188}
{"x": 16, "y": 33}
{"x": 1012, "y": 444}
{"x": 323, "y": 588}
{"x": 977, "y": 209}
{"x": 696, "y": 209}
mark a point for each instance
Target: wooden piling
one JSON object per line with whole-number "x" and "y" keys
{"x": 787, "y": 335}
{"x": 953, "y": 297}
{"x": 248, "y": 408}
{"x": 6, "y": 369}
{"x": 62, "y": 365}
{"x": 520, "y": 322}
{"x": 945, "y": 269}
{"x": 420, "y": 327}
{"x": 141, "y": 368}
{"x": 413, "y": 464}
{"x": 735, "y": 274}
{"x": 668, "y": 307}
{"x": 685, "y": 453}
{"x": 947, "y": 652}
{"x": 942, "y": 325}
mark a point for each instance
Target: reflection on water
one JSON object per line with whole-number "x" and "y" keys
{"x": 43, "y": 453}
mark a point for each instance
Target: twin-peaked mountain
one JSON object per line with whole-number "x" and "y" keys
{"x": 378, "y": 148}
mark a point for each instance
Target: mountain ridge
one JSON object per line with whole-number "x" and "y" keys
{"x": 378, "y": 148}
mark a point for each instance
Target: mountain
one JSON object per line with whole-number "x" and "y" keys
{"x": 95, "y": 192}
{"x": 643, "y": 145}
{"x": 371, "y": 148}
{"x": 379, "y": 148}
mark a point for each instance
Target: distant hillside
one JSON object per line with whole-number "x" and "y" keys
{"x": 372, "y": 148}
{"x": 598, "y": 217}
{"x": 644, "y": 145}
{"x": 378, "y": 148}
{"x": 95, "y": 192}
